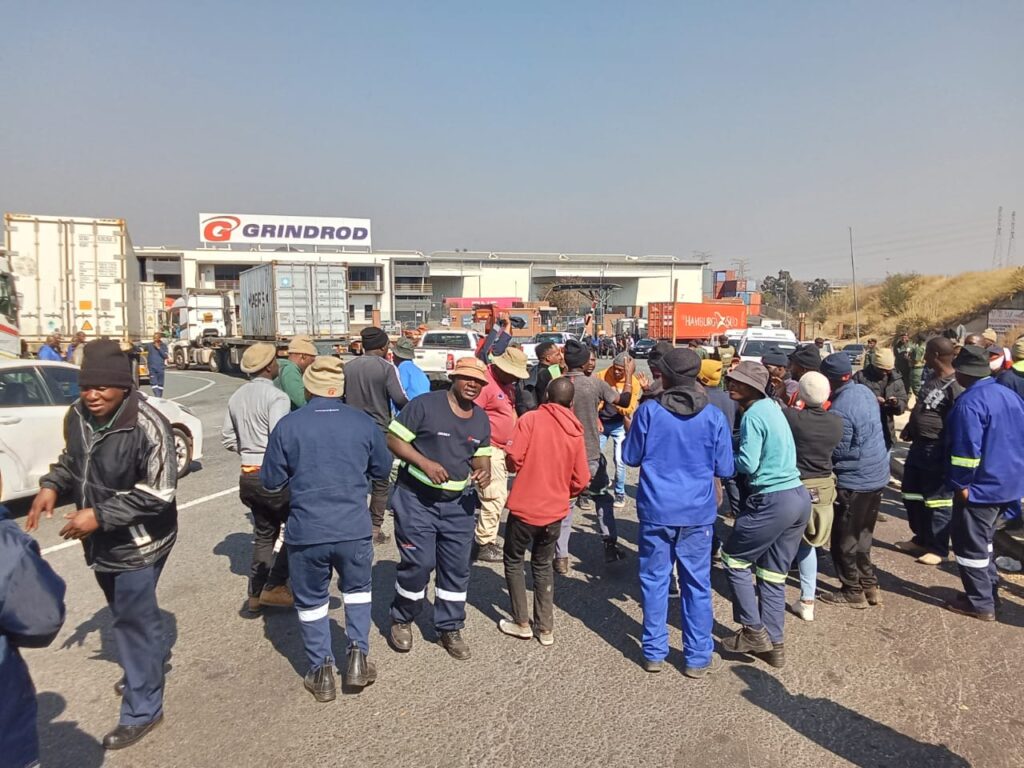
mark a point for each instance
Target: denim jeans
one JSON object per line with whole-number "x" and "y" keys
{"x": 617, "y": 432}
{"x": 807, "y": 561}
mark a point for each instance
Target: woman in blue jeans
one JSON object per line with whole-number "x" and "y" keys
{"x": 615, "y": 422}
{"x": 816, "y": 433}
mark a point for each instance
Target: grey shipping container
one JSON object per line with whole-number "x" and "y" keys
{"x": 284, "y": 299}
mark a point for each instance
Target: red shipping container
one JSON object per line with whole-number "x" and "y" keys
{"x": 694, "y": 320}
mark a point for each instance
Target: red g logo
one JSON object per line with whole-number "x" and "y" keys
{"x": 219, "y": 228}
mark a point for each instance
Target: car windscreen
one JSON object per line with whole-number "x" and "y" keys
{"x": 63, "y": 383}
{"x": 853, "y": 348}
{"x": 446, "y": 341}
{"x": 758, "y": 347}
{"x": 542, "y": 337}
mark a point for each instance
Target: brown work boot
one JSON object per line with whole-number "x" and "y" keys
{"x": 873, "y": 595}
{"x": 400, "y": 636}
{"x": 844, "y": 598}
{"x": 910, "y": 547}
{"x": 252, "y": 605}
{"x": 379, "y": 537}
{"x": 561, "y": 565}
{"x": 277, "y": 597}
{"x": 960, "y": 604}
{"x": 776, "y": 657}
{"x": 748, "y": 640}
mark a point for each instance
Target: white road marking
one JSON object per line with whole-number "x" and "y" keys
{"x": 182, "y": 508}
{"x": 209, "y": 383}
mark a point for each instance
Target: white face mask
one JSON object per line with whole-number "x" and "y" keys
{"x": 996, "y": 363}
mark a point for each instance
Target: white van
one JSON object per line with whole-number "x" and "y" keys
{"x": 755, "y": 342}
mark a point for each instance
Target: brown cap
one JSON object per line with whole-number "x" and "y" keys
{"x": 513, "y": 362}
{"x": 325, "y": 377}
{"x": 752, "y": 374}
{"x": 470, "y": 368}
{"x": 990, "y": 335}
{"x": 301, "y": 345}
{"x": 258, "y": 356}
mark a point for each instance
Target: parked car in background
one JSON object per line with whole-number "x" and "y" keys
{"x": 558, "y": 337}
{"x": 755, "y": 342}
{"x": 34, "y": 398}
{"x": 438, "y": 351}
{"x": 826, "y": 349}
{"x": 855, "y": 352}
{"x": 642, "y": 349}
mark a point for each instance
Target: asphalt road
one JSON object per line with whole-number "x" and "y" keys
{"x": 903, "y": 684}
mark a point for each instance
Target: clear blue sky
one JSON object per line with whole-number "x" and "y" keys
{"x": 755, "y": 130}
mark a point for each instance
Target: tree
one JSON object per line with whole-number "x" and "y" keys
{"x": 896, "y": 292}
{"x": 818, "y": 289}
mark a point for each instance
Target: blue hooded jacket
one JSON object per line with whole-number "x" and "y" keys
{"x": 31, "y": 614}
{"x": 861, "y": 460}
{"x": 984, "y": 431}
{"x": 681, "y": 445}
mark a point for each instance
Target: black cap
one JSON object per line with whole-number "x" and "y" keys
{"x": 775, "y": 356}
{"x": 680, "y": 364}
{"x": 660, "y": 349}
{"x": 971, "y": 361}
{"x": 373, "y": 338}
{"x": 576, "y": 353}
{"x": 105, "y": 364}
{"x": 807, "y": 357}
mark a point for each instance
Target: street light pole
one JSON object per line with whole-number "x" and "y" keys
{"x": 856, "y": 303}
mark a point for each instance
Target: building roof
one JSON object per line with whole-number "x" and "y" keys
{"x": 562, "y": 258}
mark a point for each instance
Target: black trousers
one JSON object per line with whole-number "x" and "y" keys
{"x": 539, "y": 541}
{"x": 269, "y": 512}
{"x": 380, "y": 491}
{"x": 853, "y": 530}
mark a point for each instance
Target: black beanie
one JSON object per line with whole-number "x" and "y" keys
{"x": 807, "y": 356}
{"x": 680, "y": 363}
{"x": 105, "y": 364}
{"x": 373, "y": 338}
{"x": 576, "y": 353}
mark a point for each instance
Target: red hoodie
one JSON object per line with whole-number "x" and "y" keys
{"x": 548, "y": 455}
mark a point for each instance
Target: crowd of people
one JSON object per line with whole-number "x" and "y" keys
{"x": 796, "y": 448}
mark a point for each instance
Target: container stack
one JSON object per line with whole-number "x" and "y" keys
{"x": 728, "y": 286}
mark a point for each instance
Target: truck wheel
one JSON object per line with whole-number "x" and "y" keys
{"x": 214, "y": 361}
{"x": 182, "y": 450}
{"x": 180, "y": 361}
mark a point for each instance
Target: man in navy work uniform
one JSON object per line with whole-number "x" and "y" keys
{"x": 156, "y": 361}
{"x": 31, "y": 614}
{"x": 986, "y": 472}
{"x": 767, "y": 534}
{"x": 326, "y": 453}
{"x": 681, "y": 444}
{"x": 119, "y": 467}
{"x": 444, "y": 443}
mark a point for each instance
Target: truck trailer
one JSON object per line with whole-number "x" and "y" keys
{"x": 78, "y": 274}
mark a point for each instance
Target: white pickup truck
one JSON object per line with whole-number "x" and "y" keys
{"x": 558, "y": 337}
{"x": 438, "y": 351}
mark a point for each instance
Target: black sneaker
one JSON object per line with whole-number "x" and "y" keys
{"x": 489, "y": 553}
{"x": 612, "y": 553}
{"x": 320, "y": 681}
{"x": 585, "y": 503}
{"x": 747, "y": 640}
{"x": 673, "y": 587}
{"x": 453, "y": 643}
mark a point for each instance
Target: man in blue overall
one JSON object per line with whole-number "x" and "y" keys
{"x": 156, "y": 361}
{"x": 444, "y": 443}
{"x": 681, "y": 444}
{"x": 986, "y": 472}
{"x": 767, "y": 534}
{"x": 326, "y": 453}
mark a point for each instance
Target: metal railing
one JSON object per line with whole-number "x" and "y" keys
{"x": 365, "y": 286}
{"x": 417, "y": 288}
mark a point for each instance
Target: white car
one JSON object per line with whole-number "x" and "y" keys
{"x": 34, "y": 397}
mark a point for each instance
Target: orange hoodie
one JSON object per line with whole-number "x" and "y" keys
{"x": 548, "y": 455}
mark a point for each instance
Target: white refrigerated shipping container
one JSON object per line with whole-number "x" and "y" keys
{"x": 284, "y": 299}
{"x": 75, "y": 274}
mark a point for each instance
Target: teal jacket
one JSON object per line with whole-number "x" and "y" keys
{"x": 767, "y": 453}
{"x": 289, "y": 381}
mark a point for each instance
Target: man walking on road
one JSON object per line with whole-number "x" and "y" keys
{"x": 118, "y": 466}
{"x": 591, "y": 394}
{"x": 681, "y": 444}
{"x": 301, "y": 354}
{"x": 372, "y": 386}
{"x": 887, "y": 387}
{"x": 443, "y": 442}
{"x": 548, "y": 454}
{"x": 927, "y": 497}
{"x": 861, "y": 464}
{"x": 986, "y": 472}
{"x": 253, "y": 411}
{"x": 156, "y": 362}
{"x": 498, "y": 399}
{"x": 324, "y": 454}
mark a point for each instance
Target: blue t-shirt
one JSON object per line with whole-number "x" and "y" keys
{"x": 413, "y": 380}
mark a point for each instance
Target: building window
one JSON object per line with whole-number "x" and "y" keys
{"x": 351, "y": 311}
{"x": 368, "y": 312}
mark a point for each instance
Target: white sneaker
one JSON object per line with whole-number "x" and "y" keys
{"x": 804, "y": 610}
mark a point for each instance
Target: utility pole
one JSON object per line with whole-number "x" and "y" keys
{"x": 1013, "y": 238}
{"x": 997, "y": 251}
{"x": 741, "y": 268}
{"x": 856, "y": 302}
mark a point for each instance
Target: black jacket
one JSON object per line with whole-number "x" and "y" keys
{"x": 886, "y": 387}
{"x": 128, "y": 474}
